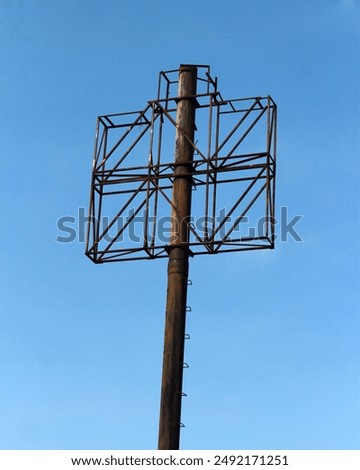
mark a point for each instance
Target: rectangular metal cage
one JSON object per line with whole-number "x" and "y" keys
{"x": 232, "y": 175}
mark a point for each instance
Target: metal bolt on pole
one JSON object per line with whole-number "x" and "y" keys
{"x": 178, "y": 265}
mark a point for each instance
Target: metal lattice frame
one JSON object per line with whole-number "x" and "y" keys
{"x": 233, "y": 176}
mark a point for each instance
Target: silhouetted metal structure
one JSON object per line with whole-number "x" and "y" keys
{"x": 216, "y": 195}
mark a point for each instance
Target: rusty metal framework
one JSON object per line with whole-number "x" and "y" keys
{"x": 232, "y": 175}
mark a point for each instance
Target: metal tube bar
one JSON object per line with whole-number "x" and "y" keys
{"x": 178, "y": 265}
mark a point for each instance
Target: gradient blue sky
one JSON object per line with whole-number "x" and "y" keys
{"x": 274, "y": 350}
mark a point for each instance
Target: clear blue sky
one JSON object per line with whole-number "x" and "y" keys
{"x": 274, "y": 350}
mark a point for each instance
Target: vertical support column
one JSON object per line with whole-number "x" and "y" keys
{"x": 178, "y": 265}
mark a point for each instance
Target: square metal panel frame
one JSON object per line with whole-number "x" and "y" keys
{"x": 131, "y": 165}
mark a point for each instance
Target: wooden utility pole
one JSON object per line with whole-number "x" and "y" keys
{"x": 178, "y": 265}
